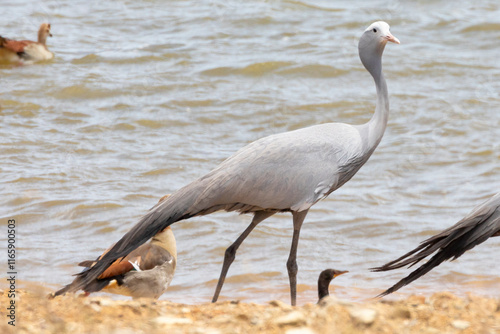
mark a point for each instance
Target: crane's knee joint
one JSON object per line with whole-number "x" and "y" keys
{"x": 230, "y": 253}
{"x": 292, "y": 266}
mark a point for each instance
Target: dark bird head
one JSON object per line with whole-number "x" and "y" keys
{"x": 324, "y": 280}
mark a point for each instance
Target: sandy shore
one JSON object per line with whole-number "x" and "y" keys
{"x": 439, "y": 313}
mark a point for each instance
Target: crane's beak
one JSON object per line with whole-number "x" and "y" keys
{"x": 391, "y": 38}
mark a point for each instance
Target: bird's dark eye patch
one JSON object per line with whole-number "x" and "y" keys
{"x": 374, "y": 30}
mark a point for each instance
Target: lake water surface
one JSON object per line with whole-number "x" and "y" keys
{"x": 145, "y": 96}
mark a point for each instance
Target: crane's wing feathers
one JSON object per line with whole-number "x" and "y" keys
{"x": 257, "y": 176}
{"x": 482, "y": 223}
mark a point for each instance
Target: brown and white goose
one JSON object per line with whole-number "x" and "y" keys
{"x": 26, "y": 51}
{"x": 145, "y": 272}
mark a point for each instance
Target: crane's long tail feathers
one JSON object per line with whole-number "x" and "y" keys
{"x": 94, "y": 286}
{"x": 165, "y": 213}
{"x": 449, "y": 244}
{"x": 62, "y": 291}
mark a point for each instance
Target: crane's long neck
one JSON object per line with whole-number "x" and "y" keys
{"x": 376, "y": 126}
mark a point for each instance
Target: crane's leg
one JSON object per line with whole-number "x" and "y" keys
{"x": 291, "y": 264}
{"x": 230, "y": 253}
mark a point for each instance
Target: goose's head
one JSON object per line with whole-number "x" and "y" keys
{"x": 372, "y": 43}
{"x": 44, "y": 32}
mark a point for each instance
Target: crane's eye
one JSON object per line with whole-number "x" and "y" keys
{"x": 374, "y": 30}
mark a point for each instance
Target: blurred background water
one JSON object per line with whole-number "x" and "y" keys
{"x": 145, "y": 96}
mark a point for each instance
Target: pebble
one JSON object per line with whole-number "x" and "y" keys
{"x": 327, "y": 301}
{"x": 345, "y": 303}
{"x": 222, "y": 318}
{"x": 301, "y": 330}
{"x": 72, "y": 326}
{"x": 292, "y": 318}
{"x": 415, "y": 300}
{"x": 365, "y": 316}
{"x": 460, "y": 324}
{"x": 144, "y": 303}
{"x": 205, "y": 330}
{"x": 164, "y": 320}
{"x": 95, "y": 307}
{"x": 280, "y": 304}
{"x": 401, "y": 312}
{"x": 104, "y": 302}
{"x": 125, "y": 330}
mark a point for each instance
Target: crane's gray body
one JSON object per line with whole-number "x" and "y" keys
{"x": 289, "y": 171}
{"x": 319, "y": 159}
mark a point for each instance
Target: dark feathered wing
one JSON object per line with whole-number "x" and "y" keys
{"x": 482, "y": 223}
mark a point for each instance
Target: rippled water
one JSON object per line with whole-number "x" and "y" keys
{"x": 145, "y": 96}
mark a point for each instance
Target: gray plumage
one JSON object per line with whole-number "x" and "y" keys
{"x": 475, "y": 228}
{"x": 284, "y": 172}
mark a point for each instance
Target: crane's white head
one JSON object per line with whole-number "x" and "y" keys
{"x": 372, "y": 43}
{"x": 379, "y": 31}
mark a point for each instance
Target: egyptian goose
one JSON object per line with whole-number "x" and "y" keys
{"x": 22, "y": 51}
{"x": 145, "y": 272}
